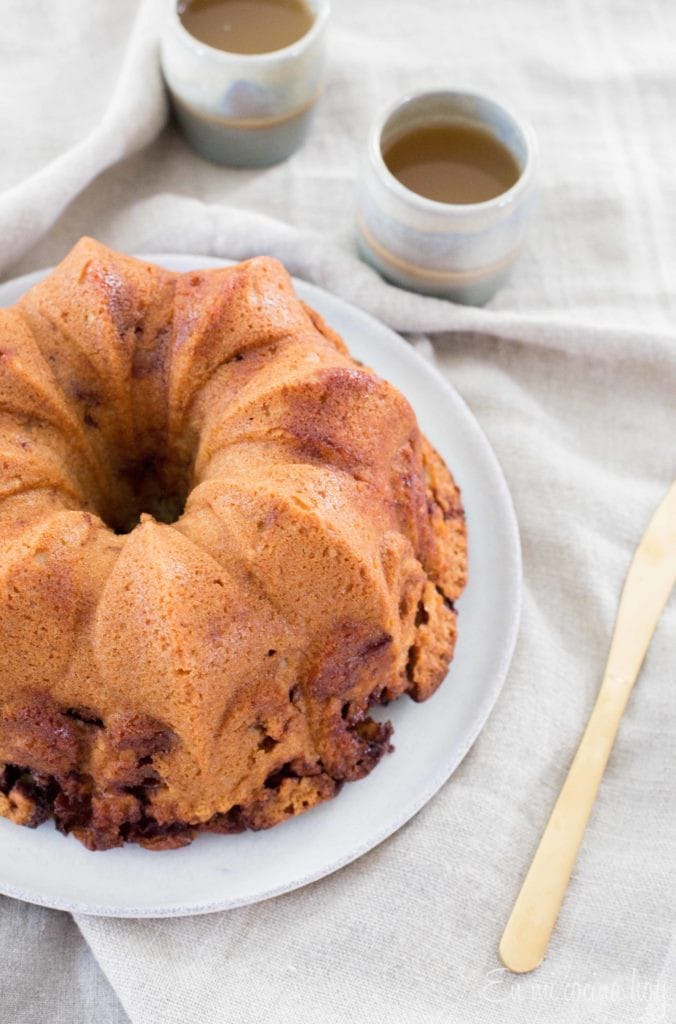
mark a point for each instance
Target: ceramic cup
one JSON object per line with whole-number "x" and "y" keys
{"x": 459, "y": 252}
{"x": 244, "y": 110}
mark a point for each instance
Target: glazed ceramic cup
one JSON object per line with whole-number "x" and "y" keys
{"x": 459, "y": 252}
{"x": 244, "y": 110}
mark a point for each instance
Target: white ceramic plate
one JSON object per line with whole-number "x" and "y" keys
{"x": 219, "y": 872}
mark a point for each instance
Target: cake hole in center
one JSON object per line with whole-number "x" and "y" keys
{"x": 151, "y": 487}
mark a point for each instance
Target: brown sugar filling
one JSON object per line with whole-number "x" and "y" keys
{"x": 124, "y": 813}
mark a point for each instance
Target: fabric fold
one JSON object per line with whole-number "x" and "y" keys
{"x": 133, "y": 115}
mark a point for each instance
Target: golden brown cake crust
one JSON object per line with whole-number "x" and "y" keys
{"x": 222, "y": 541}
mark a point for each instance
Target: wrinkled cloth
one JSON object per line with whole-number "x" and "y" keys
{"x": 570, "y": 370}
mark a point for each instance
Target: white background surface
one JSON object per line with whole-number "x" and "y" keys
{"x": 572, "y": 373}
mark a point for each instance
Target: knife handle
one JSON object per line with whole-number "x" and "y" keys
{"x": 526, "y": 937}
{"x": 645, "y": 593}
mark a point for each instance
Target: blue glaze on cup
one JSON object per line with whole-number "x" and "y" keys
{"x": 461, "y": 252}
{"x": 244, "y": 110}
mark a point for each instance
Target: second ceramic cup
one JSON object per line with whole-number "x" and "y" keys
{"x": 458, "y": 251}
{"x": 244, "y": 110}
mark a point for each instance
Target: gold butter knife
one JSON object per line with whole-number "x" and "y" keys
{"x": 646, "y": 591}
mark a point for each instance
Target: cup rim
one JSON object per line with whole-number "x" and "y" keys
{"x": 435, "y": 205}
{"x": 269, "y": 56}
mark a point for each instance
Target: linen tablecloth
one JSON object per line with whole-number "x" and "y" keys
{"x": 571, "y": 371}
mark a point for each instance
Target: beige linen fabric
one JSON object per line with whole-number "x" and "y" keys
{"x": 571, "y": 370}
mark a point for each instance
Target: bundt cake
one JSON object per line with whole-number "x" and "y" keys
{"x": 221, "y": 541}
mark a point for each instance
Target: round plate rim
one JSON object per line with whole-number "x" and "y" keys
{"x": 315, "y": 295}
